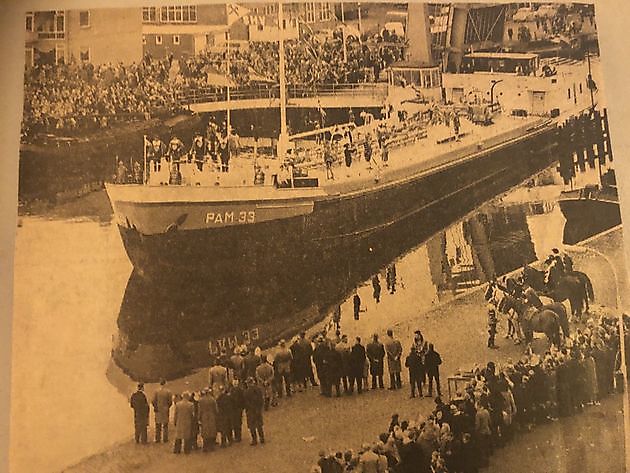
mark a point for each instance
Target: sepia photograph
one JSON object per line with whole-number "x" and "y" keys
{"x": 318, "y": 237}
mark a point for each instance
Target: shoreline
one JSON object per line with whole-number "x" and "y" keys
{"x": 439, "y": 323}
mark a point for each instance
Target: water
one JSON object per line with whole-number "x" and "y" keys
{"x": 73, "y": 299}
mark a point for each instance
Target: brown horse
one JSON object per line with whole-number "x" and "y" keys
{"x": 565, "y": 287}
{"x": 542, "y": 321}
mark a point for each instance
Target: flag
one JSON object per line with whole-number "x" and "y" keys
{"x": 235, "y": 12}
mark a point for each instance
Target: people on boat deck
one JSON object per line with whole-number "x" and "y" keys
{"x": 224, "y": 152}
{"x": 176, "y": 155}
{"x": 347, "y": 154}
{"x": 328, "y": 160}
{"x": 198, "y": 150}
{"x": 156, "y": 151}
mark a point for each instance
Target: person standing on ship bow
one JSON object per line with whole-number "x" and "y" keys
{"x": 198, "y": 150}
{"x": 224, "y": 152}
{"x": 328, "y": 161}
{"x": 175, "y": 154}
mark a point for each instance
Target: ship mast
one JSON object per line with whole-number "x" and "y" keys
{"x": 227, "y": 120}
{"x": 283, "y": 138}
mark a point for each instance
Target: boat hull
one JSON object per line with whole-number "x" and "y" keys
{"x": 196, "y": 292}
{"x": 313, "y": 224}
{"x": 587, "y": 217}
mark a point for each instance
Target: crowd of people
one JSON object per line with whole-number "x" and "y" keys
{"x": 250, "y": 382}
{"x": 78, "y": 96}
{"x": 494, "y": 405}
{"x": 308, "y": 63}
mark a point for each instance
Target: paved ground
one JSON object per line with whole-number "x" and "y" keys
{"x": 301, "y": 426}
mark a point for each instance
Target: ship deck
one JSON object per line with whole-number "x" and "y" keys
{"x": 422, "y": 157}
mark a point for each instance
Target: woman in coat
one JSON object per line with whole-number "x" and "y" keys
{"x": 208, "y": 420}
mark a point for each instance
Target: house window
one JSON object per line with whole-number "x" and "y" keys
{"x": 325, "y": 11}
{"x": 60, "y": 22}
{"x": 29, "y": 57}
{"x": 60, "y": 54}
{"x": 270, "y": 9}
{"x": 179, "y": 14}
{"x": 84, "y": 54}
{"x": 158, "y": 39}
{"x": 310, "y": 12}
{"x": 84, "y": 18}
{"x": 176, "y": 39}
{"x": 29, "y": 21}
{"x": 144, "y": 39}
{"x": 149, "y": 14}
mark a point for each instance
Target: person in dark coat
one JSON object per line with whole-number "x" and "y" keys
{"x": 334, "y": 365}
{"x": 307, "y": 350}
{"x": 414, "y": 364}
{"x": 470, "y": 455}
{"x": 375, "y": 352}
{"x": 357, "y": 362}
{"x": 320, "y": 358}
{"x": 140, "y": 407}
{"x": 224, "y": 407}
{"x": 254, "y": 403}
{"x": 298, "y": 364}
{"x": 376, "y": 286}
{"x": 194, "y": 431}
{"x": 251, "y": 362}
{"x": 343, "y": 347}
{"x": 237, "y": 405}
{"x": 356, "y": 300}
{"x": 208, "y": 420}
{"x": 432, "y": 362}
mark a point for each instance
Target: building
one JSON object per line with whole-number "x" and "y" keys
{"x": 183, "y": 30}
{"x": 95, "y": 35}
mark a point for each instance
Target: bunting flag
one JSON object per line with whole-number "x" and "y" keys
{"x": 235, "y": 12}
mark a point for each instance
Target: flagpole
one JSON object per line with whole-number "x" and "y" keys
{"x": 144, "y": 173}
{"x": 283, "y": 138}
{"x": 359, "y": 17}
{"x": 227, "y": 42}
{"x": 343, "y": 33}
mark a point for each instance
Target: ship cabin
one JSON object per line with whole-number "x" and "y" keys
{"x": 422, "y": 80}
{"x": 514, "y": 63}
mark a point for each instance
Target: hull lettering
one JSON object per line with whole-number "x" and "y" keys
{"x": 230, "y": 217}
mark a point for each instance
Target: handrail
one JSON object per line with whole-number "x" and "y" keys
{"x": 296, "y": 91}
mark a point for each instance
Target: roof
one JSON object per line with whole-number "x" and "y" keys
{"x": 412, "y": 65}
{"x": 488, "y": 55}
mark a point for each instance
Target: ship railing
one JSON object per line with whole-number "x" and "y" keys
{"x": 266, "y": 91}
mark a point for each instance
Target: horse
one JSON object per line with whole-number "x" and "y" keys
{"x": 588, "y": 286}
{"x": 560, "y": 289}
{"x": 541, "y": 320}
{"x": 525, "y": 308}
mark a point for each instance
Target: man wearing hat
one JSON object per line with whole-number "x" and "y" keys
{"x": 375, "y": 352}
{"x": 393, "y": 349}
{"x": 492, "y": 327}
{"x": 140, "y": 407}
{"x": 254, "y": 403}
{"x": 282, "y": 365}
{"x": 265, "y": 376}
{"x": 217, "y": 376}
{"x": 183, "y": 424}
{"x": 162, "y": 401}
{"x": 208, "y": 420}
{"x": 198, "y": 150}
